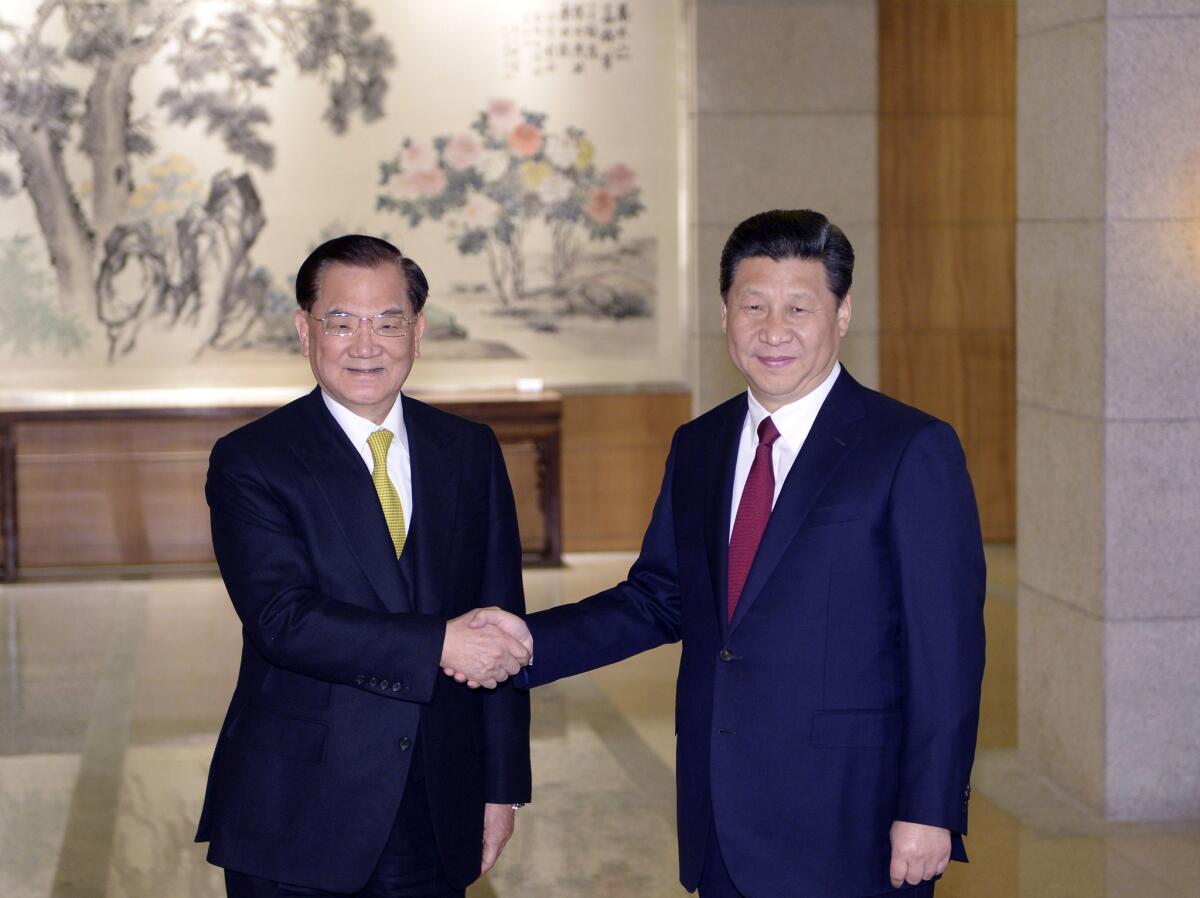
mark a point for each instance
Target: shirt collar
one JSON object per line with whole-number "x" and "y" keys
{"x": 358, "y": 428}
{"x": 794, "y": 420}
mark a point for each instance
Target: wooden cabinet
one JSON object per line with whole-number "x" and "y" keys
{"x": 121, "y": 490}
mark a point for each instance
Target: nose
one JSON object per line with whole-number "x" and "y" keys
{"x": 774, "y": 329}
{"x": 364, "y": 343}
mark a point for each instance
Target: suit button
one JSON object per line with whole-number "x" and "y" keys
{"x": 384, "y": 684}
{"x": 404, "y": 743}
{"x": 372, "y": 680}
{"x": 395, "y": 687}
{"x": 726, "y": 655}
{"x": 360, "y": 679}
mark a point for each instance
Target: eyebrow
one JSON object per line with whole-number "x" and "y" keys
{"x": 395, "y": 310}
{"x": 791, "y": 294}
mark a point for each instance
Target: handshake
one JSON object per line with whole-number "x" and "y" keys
{"x": 485, "y": 647}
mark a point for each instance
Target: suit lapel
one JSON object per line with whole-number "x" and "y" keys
{"x": 834, "y": 433}
{"x": 436, "y": 469}
{"x": 343, "y": 480}
{"x": 720, "y": 461}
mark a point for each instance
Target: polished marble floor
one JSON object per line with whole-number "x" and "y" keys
{"x": 111, "y": 694}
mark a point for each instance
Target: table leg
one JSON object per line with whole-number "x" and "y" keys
{"x": 8, "y": 502}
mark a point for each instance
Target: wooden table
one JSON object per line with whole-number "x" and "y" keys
{"x": 518, "y": 419}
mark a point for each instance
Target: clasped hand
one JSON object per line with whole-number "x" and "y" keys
{"x": 485, "y": 647}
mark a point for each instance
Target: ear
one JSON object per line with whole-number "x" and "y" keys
{"x": 303, "y": 322}
{"x": 724, "y": 316}
{"x": 843, "y": 315}
{"x": 418, "y": 332}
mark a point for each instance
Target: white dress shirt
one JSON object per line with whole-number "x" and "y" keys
{"x": 793, "y": 421}
{"x": 359, "y": 430}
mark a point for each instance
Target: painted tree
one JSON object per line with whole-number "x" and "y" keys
{"x": 109, "y": 261}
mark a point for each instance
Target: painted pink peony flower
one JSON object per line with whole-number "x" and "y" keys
{"x": 502, "y": 115}
{"x": 418, "y": 155}
{"x": 480, "y": 211}
{"x": 403, "y": 189}
{"x": 525, "y": 139}
{"x": 462, "y": 151}
{"x": 601, "y": 206}
{"x": 620, "y": 179}
{"x": 427, "y": 182}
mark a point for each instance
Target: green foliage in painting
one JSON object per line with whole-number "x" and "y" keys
{"x": 30, "y": 316}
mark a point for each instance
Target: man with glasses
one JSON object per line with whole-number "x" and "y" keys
{"x": 354, "y": 529}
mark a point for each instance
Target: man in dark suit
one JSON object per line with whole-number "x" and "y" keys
{"x": 351, "y": 527}
{"x": 816, "y": 546}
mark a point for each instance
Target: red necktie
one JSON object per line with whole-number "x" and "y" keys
{"x": 753, "y": 512}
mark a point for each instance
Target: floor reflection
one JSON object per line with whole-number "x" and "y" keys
{"x": 113, "y": 694}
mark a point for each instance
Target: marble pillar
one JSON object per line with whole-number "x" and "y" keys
{"x": 1108, "y": 386}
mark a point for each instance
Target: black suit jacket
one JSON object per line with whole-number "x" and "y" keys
{"x": 844, "y": 694}
{"x": 340, "y": 661}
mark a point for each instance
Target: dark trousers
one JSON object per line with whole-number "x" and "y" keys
{"x": 408, "y": 868}
{"x": 715, "y": 881}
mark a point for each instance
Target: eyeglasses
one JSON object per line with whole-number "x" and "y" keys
{"x": 343, "y": 324}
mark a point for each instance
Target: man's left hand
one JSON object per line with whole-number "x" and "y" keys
{"x": 498, "y": 823}
{"x": 919, "y": 852}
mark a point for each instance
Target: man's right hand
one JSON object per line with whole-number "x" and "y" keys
{"x": 482, "y": 653}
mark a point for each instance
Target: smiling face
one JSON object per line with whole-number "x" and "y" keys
{"x": 364, "y": 372}
{"x": 783, "y": 326}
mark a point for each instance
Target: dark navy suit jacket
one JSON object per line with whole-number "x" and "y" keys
{"x": 340, "y": 661}
{"x": 844, "y": 694}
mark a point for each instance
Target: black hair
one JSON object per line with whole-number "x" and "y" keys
{"x": 357, "y": 251}
{"x": 791, "y": 234}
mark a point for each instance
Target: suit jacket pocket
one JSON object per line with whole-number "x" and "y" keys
{"x": 833, "y": 514}
{"x": 851, "y": 729}
{"x": 279, "y": 734}
{"x": 285, "y": 687}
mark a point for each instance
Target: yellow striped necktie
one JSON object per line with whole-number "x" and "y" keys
{"x": 393, "y": 511}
